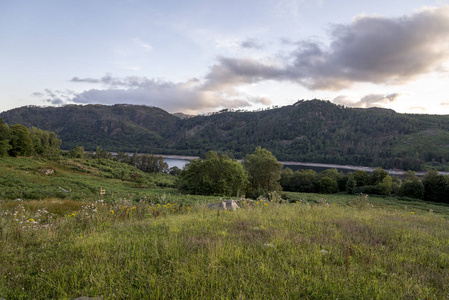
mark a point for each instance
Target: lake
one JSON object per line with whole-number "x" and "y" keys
{"x": 181, "y": 162}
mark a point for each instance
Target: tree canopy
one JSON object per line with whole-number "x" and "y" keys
{"x": 214, "y": 175}
{"x": 264, "y": 171}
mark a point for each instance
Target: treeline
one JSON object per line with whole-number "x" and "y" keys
{"x": 432, "y": 187}
{"x": 17, "y": 140}
{"x": 261, "y": 174}
{"x": 307, "y": 131}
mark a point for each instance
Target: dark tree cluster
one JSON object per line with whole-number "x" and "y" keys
{"x": 17, "y": 140}
{"x": 432, "y": 187}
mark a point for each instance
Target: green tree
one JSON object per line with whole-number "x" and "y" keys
{"x": 21, "y": 143}
{"x": 436, "y": 187}
{"x": 377, "y": 176}
{"x": 361, "y": 177}
{"x": 412, "y": 188}
{"x": 305, "y": 181}
{"x": 77, "y": 152}
{"x": 264, "y": 172}
{"x": 214, "y": 175}
{"x": 286, "y": 178}
{"x": 45, "y": 143}
{"x": 385, "y": 186}
{"x": 4, "y": 138}
{"x": 351, "y": 184}
{"x": 328, "y": 185}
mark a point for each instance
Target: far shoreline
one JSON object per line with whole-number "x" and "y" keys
{"x": 296, "y": 163}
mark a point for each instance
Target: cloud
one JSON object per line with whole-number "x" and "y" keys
{"x": 251, "y": 44}
{"x": 37, "y": 94}
{"x": 371, "y": 100}
{"x": 189, "y": 96}
{"x": 370, "y": 49}
{"x": 142, "y": 45}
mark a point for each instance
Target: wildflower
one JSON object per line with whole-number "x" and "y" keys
{"x": 31, "y": 220}
{"x": 111, "y": 211}
{"x": 188, "y": 208}
{"x": 266, "y": 204}
{"x": 412, "y": 212}
{"x": 257, "y": 202}
{"x": 133, "y": 207}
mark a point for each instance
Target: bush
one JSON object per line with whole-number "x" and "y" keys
{"x": 214, "y": 175}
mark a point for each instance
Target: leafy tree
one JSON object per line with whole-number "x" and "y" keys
{"x": 77, "y": 152}
{"x": 21, "y": 143}
{"x": 4, "y": 138}
{"x": 328, "y": 185}
{"x": 44, "y": 142}
{"x": 377, "y": 176}
{"x": 413, "y": 189}
{"x": 385, "y": 186}
{"x": 264, "y": 172}
{"x": 361, "y": 177}
{"x": 305, "y": 181}
{"x": 214, "y": 175}
{"x": 436, "y": 187}
{"x": 286, "y": 178}
{"x": 351, "y": 184}
{"x": 175, "y": 171}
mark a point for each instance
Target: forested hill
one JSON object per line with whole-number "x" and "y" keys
{"x": 313, "y": 131}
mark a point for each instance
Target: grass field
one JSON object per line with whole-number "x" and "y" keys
{"x": 162, "y": 245}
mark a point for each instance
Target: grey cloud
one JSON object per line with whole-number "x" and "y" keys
{"x": 37, "y": 94}
{"x": 187, "y": 96}
{"x": 370, "y": 49}
{"x": 56, "y": 101}
{"x": 230, "y": 72}
{"x": 251, "y": 44}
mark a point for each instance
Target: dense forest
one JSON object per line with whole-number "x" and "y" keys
{"x": 308, "y": 131}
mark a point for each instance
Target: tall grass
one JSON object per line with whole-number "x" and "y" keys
{"x": 269, "y": 251}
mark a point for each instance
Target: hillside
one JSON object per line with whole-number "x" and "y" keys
{"x": 312, "y": 131}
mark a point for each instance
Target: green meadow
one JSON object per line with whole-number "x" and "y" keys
{"x": 142, "y": 239}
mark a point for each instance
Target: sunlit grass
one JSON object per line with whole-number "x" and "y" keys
{"x": 169, "y": 250}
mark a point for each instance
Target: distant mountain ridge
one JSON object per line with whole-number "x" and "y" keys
{"x": 309, "y": 131}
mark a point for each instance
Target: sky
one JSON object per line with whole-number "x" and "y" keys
{"x": 203, "y": 56}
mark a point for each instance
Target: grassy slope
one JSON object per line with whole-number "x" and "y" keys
{"x": 22, "y": 178}
{"x": 344, "y": 246}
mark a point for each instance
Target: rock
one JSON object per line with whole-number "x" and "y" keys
{"x": 224, "y": 205}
